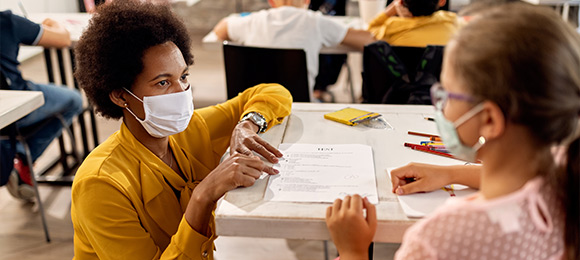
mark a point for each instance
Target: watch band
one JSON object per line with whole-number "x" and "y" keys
{"x": 257, "y": 119}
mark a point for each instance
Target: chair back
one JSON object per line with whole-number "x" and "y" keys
{"x": 3, "y": 81}
{"x": 400, "y": 75}
{"x": 249, "y": 66}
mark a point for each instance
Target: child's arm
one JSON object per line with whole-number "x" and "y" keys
{"x": 357, "y": 38}
{"x": 221, "y": 29}
{"x": 54, "y": 34}
{"x": 351, "y": 232}
{"x": 417, "y": 177}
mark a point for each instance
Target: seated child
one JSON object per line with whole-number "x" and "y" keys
{"x": 516, "y": 108}
{"x": 288, "y": 24}
{"x": 414, "y": 23}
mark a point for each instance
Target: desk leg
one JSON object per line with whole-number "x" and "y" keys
{"x": 61, "y": 67}
{"x": 565, "y": 11}
{"x": 49, "y": 69}
{"x": 81, "y": 117}
{"x": 349, "y": 81}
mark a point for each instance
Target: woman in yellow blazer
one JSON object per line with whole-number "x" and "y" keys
{"x": 149, "y": 191}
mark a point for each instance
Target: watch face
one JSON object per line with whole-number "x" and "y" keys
{"x": 258, "y": 119}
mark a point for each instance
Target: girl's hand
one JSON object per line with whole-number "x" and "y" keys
{"x": 419, "y": 177}
{"x": 351, "y": 232}
{"x": 245, "y": 141}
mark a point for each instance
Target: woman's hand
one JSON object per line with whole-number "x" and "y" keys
{"x": 419, "y": 177}
{"x": 238, "y": 170}
{"x": 351, "y": 232}
{"x": 245, "y": 140}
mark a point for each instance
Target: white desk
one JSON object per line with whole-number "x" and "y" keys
{"x": 243, "y": 212}
{"x": 211, "y": 41}
{"x": 75, "y": 23}
{"x": 563, "y": 4}
{"x": 15, "y": 104}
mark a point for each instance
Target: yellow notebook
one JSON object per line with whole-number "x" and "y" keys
{"x": 350, "y": 116}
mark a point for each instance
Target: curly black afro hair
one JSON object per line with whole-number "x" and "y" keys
{"x": 109, "y": 53}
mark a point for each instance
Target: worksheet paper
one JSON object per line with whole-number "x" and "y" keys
{"x": 418, "y": 205}
{"x": 323, "y": 173}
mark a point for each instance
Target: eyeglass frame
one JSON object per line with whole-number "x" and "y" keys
{"x": 438, "y": 93}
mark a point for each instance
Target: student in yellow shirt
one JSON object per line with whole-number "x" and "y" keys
{"x": 149, "y": 191}
{"x": 414, "y": 23}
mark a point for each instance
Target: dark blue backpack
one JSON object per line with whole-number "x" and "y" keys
{"x": 400, "y": 75}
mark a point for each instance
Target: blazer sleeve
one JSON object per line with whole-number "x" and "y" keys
{"x": 272, "y": 101}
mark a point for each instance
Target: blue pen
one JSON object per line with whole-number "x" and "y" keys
{"x": 430, "y": 142}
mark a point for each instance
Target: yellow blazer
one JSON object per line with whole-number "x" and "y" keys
{"x": 434, "y": 29}
{"x": 122, "y": 204}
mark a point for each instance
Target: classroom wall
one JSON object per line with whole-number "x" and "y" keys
{"x": 41, "y": 6}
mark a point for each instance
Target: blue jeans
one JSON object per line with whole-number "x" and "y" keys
{"x": 57, "y": 100}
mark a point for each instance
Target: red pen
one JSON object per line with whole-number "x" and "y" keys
{"x": 422, "y": 148}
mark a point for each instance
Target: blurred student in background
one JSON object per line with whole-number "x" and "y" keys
{"x": 414, "y": 23}
{"x": 288, "y": 24}
{"x": 67, "y": 102}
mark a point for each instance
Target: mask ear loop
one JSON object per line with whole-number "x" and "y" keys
{"x": 127, "y": 106}
{"x": 468, "y": 115}
{"x": 128, "y": 91}
{"x": 481, "y": 140}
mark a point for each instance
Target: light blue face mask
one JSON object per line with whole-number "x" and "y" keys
{"x": 450, "y": 137}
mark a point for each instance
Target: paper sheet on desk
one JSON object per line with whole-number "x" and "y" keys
{"x": 323, "y": 173}
{"x": 419, "y": 205}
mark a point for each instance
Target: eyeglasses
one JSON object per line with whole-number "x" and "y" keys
{"x": 439, "y": 96}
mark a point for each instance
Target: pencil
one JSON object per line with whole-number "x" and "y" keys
{"x": 422, "y": 134}
{"x": 429, "y": 118}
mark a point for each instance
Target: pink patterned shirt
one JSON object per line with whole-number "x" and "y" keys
{"x": 526, "y": 224}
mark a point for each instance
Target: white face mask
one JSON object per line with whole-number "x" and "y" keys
{"x": 167, "y": 114}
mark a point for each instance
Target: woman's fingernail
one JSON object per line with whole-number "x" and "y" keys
{"x": 400, "y": 191}
{"x": 276, "y": 171}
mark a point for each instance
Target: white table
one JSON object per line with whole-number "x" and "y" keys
{"x": 563, "y": 4}
{"x": 15, "y": 104}
{"x": 211, "y": 41}
{"x": 243, "y": 212}
{"x": 75, "y": 23}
